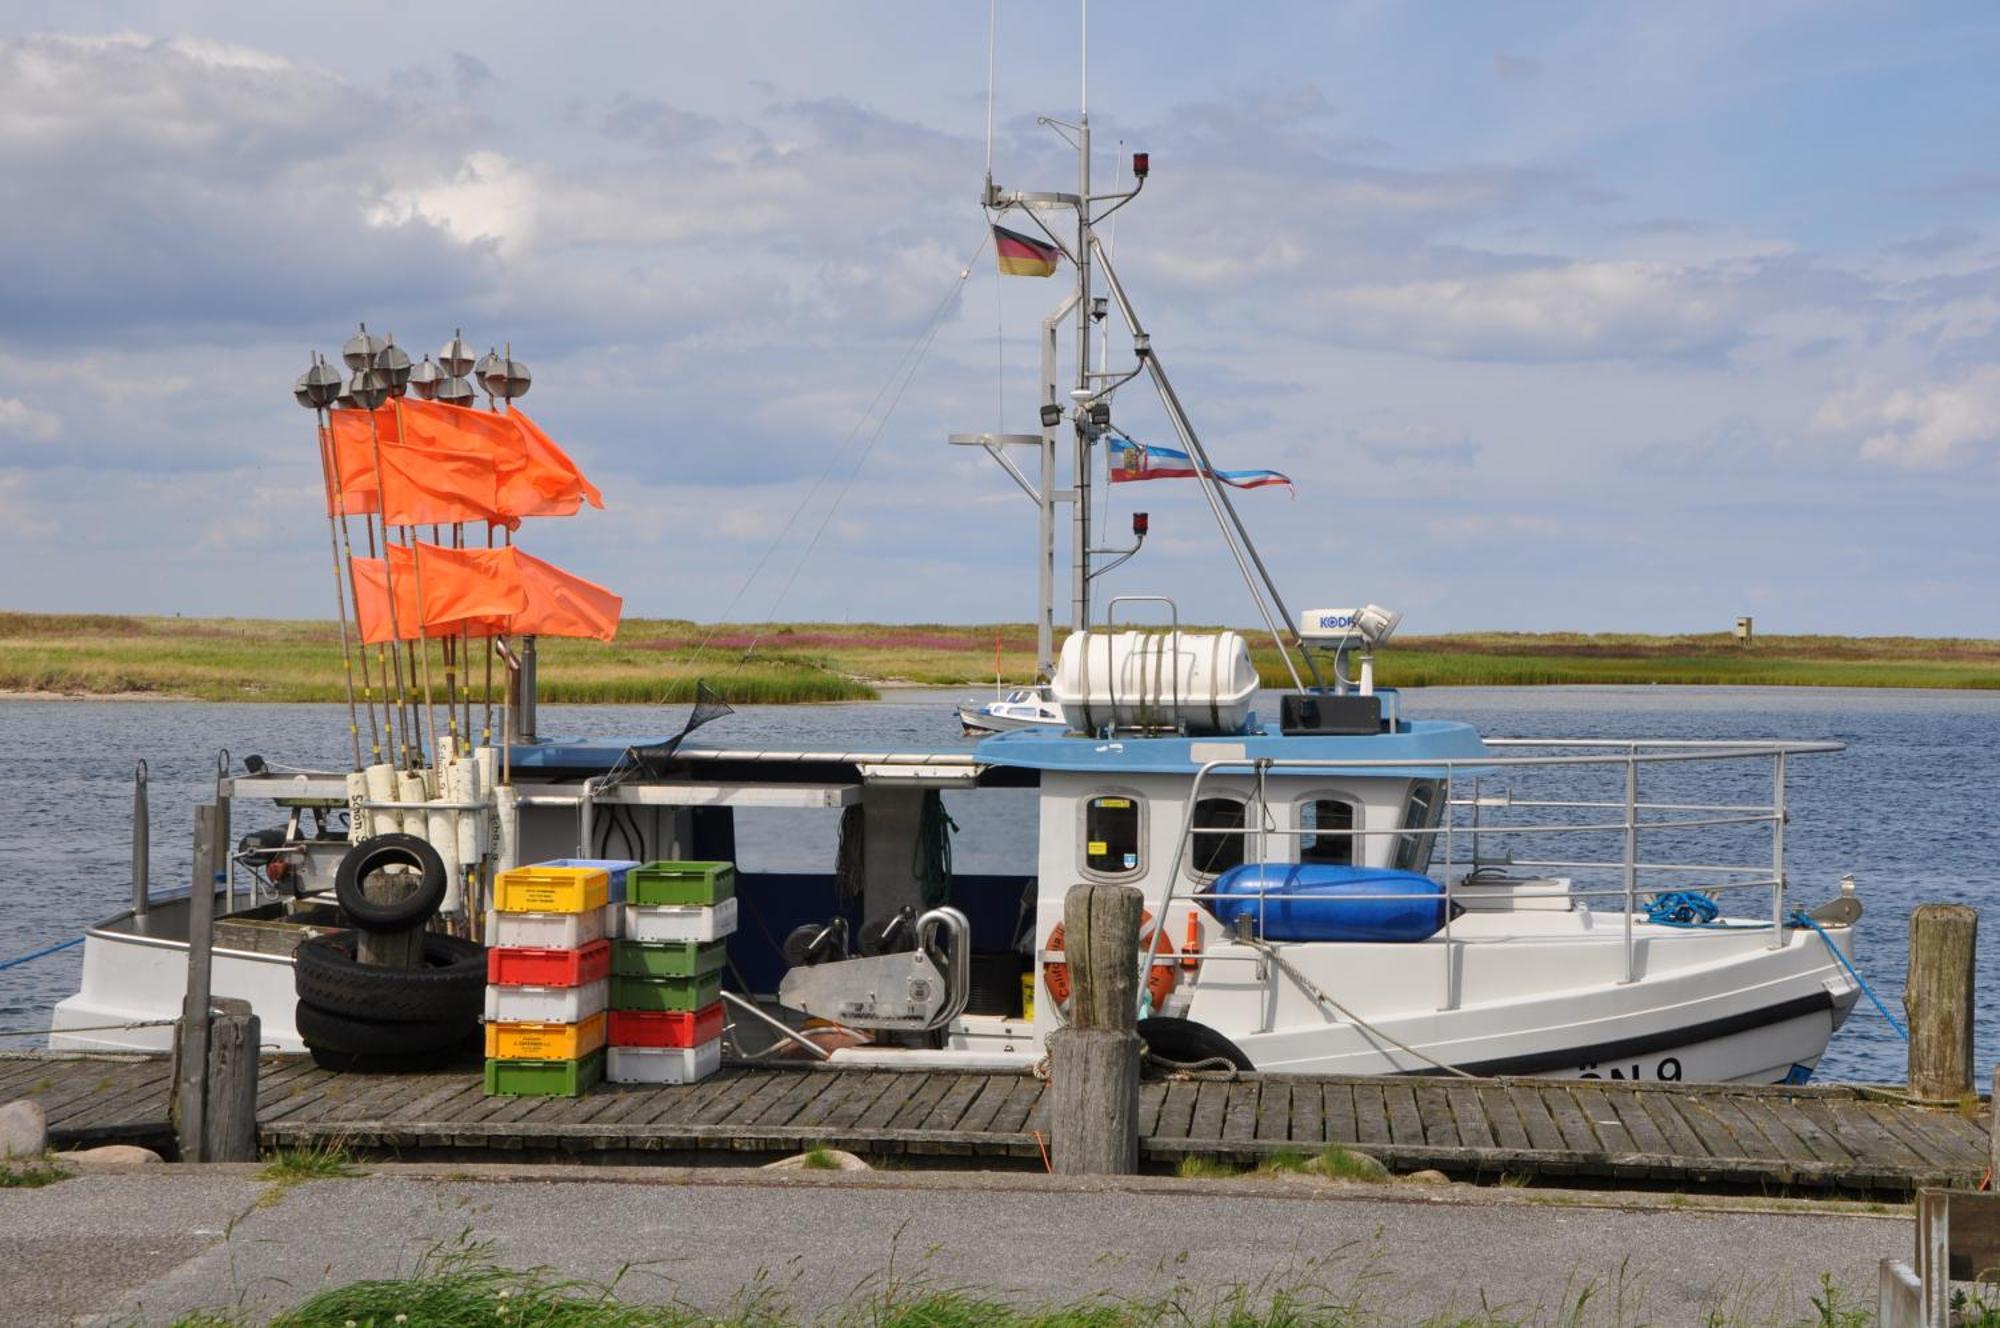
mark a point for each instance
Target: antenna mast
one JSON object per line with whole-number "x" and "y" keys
{"x": 1089, "y": 405}
{"x": 1080, "y": 508}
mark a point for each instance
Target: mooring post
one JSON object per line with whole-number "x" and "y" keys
{"x": 190, "y": 1069}
{"x": 1938, "y": 1000}
{"x": 391, "y": 949}
{"x": 229, "y": 1129}
{"x": 142, "y": 844}
{"x": 221, "y": 864}
{"x": 1993, "y": 1128}
{"x": 1094, "y": 1062}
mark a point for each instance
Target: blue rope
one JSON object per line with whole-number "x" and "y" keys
{"x": 1802, "y": 919}
{"x": 47, "y": 950}
{"x": 1681, "y": 908}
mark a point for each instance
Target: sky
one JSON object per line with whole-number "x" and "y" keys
{"x": 1589, "y": 316}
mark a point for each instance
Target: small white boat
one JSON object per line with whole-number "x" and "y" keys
{"x": 1022, "y": 708}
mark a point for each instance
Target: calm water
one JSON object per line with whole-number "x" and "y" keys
{"x": 1904, "y": 808}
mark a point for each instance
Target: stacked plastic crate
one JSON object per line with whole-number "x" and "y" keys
{"x": 666, "y": 973}
{"x": 548, "y": 967}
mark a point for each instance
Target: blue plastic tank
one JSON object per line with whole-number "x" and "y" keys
{"x": 1323, "y": 903}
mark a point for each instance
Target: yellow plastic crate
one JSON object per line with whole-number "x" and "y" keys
{"x": 552, "y": 889}
{"x": 545, "y": 1042}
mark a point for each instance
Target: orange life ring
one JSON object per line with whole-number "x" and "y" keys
{"x": 1160, "y": 978}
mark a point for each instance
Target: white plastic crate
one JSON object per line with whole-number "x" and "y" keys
{"x": 663, "y": 1065}
{"x": 546, "y": 1005}
{"x": 679, "y": 922}
{"x": 549, "y": 931}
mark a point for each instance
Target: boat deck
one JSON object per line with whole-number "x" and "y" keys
{"x": 1835, "y": 1138}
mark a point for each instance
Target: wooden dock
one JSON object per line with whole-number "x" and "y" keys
{"x": 1841, "y": 1139}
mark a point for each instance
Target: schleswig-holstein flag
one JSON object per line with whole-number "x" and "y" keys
{"x": 1148, "y": 461}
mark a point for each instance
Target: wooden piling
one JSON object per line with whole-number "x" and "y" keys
{"x": 188, "y": 1110}
{"x": 1094, "y": 1062}
{"x": 1993, "y": 1129}
{"x": 142, "y": 844}
{"x": 1938, "y": 1000}
{"x": 392, "y": 949}
{"x": 229, "y": 1125}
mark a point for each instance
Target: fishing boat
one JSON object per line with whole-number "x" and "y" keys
{"x": 1329, "y": 884}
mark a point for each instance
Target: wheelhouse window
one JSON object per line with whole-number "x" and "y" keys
{"x": 1211, "y": 854}
{"x": 1326, "y": 823}
{"x": 1424, "y": 811}
{"x": 1112, "y": 826}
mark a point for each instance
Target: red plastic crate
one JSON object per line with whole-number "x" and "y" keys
{"x": 519, "y": 966}
{"x": 665, "y": 1028}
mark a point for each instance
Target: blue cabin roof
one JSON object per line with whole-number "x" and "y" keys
{"x": 1419, "y": 740}
{"x": 1414, "y": 740}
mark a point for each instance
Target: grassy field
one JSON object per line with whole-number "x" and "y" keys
{"x": 660, "y": 660}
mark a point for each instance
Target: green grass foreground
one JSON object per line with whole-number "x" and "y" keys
{"x": 458, "y": 1287}
{"x": 660, "y": 660}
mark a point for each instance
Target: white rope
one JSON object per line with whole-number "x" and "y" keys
{"x": 1313, "y": 990}
{"x": 88, "y": 1028}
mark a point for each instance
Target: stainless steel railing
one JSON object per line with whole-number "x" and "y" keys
{"x": 1632, "y": 875}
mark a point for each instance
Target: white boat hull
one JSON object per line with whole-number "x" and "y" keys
{"x": 138, "y": 980}
{"x": 1727, "y": 1009}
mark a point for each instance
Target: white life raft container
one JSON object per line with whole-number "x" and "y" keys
{"x": 1195, "y": 682}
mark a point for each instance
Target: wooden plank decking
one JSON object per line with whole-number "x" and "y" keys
{"x": 1838, "y": 1138}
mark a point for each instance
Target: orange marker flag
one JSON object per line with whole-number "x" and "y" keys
{"x": 448, "y": 428}
{"x": 424, "y": 486}
{"x": 563, "y": 604}
{"x": 549, "y": 484}
{"x": 531, "y": 475}
{"x": 354, "y": 459}
{"x": 488, "y": 592}
{"x": 440, "y": 587}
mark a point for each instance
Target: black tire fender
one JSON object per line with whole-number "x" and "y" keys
{"x": 323, "y": 1030}
{"x": 450, "y": 984}
{"x": 370, "y": 856}
{"x": 1185, "y": 1042}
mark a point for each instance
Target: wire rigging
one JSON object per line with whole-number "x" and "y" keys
{"x": 915, "y": 360}
{"x": 916, "y": 347}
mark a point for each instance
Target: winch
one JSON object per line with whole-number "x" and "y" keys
{"x": 921, "y": 988}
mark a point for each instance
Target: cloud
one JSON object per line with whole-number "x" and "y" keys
{"x": 1937, "y": 244}
{"x": 1929, "y": 426}
{"x": 487, "y": 198}
{"x": 1549, "y": 311}
{"x": 1458, "y": 299}
{"x": 654, "y": 123}
{"x": 20, "y": 420}
{"x": 470, "y": 75}
{"x": 22, "y": 519}
{"x": 1415, "y": 445}
{"x": 200, "y": 184}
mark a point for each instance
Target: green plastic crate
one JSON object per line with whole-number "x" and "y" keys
{"x": 668, "y": 959}
{"x": 544, "y": 1078}
{"x": 685, "y": 994}
{"x": 681, "y": 883}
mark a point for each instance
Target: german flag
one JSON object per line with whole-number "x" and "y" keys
{"x": 1021, "y": 256}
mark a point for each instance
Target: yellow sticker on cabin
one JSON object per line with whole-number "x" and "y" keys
{"x": 1119, "y": 803}
{"x": 1098, "y": 848}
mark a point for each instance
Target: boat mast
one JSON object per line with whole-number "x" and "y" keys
{"x": 1080, "y": 497}
{"x": 1090, "y": 413}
